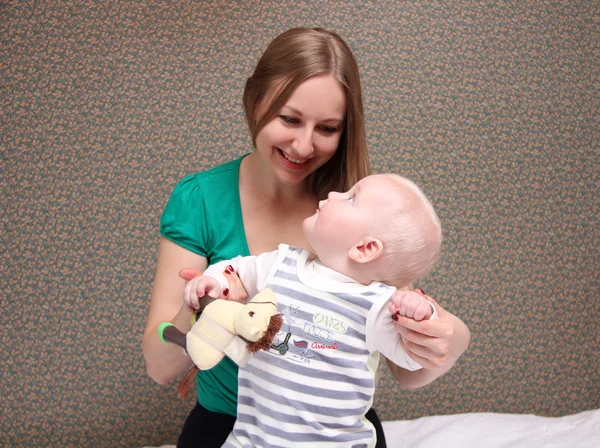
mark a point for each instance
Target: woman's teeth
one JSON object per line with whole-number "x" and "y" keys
{"x": 293, "y": 160}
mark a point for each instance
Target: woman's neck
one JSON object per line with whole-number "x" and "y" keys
{"x": 255, "y": 175}
{"x": 272, "y": 212}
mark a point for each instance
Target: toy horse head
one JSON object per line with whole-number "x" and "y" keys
{"x": 258, "y": 322}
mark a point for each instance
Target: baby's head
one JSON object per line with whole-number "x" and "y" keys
{"x": 411, "y": 234}
{"x": 382, "y": 229}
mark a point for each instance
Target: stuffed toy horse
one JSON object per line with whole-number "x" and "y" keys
{"x": 220, "y": 326}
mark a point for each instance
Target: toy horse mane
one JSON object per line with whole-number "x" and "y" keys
{"x": 265, "y": 342}
{"x": 275, "y": 323}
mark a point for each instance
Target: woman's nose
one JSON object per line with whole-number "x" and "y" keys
{"x": 303, "y": 144}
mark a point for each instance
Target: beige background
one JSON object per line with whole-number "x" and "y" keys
{"x": 492, "y": 107}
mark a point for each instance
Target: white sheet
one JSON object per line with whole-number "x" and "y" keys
{"x": 489, "y": 430}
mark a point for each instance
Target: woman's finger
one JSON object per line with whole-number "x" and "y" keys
{"x": 421, "y": 355}
{"x": 189, "y": 273}
{"x": 436, "y": 346}
{"x": 422, "y": 327}
{"x": 434, "y": 328}
{"x": 236, "y": 290}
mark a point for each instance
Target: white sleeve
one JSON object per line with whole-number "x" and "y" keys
{"x": 383, "y": 337}
{"x": 253, "y": 271}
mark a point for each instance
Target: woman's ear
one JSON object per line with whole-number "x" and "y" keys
{"x": 366, "y": 250}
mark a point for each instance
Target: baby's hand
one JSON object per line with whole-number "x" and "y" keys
{"x": 199, "y": 287}
{"x": 410, "y": 304}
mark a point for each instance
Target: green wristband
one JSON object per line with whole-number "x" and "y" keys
{"x": 161, "y": 330}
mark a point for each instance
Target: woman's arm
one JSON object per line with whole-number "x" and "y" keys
{"x": 165, "y": 362}
{"x": 435, "y": 344}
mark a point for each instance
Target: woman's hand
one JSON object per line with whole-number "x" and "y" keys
{"x": 435, "y": 344}
{"x": 236, "y": 291}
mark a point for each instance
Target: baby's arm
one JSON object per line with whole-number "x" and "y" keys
{"x": 382, "y": 336}
{"x": 252, "y": 271}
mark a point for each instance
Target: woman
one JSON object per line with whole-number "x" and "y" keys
{"x": 304, "y": 108}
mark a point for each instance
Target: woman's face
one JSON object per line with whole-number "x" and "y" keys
{"x": 306, "y": 132}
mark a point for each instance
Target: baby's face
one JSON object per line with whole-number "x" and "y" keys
{"x": 343, "y": 219}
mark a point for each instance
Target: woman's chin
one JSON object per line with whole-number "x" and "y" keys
{"x": 292, "y": 175}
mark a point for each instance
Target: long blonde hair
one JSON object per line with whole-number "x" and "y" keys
{"x": 290, "y": 59}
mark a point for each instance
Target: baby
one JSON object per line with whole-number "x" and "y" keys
{"x": 317, "y": 380}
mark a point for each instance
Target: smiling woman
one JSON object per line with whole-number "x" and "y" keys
{"x": 307, "y": 131}
{"x": 303, "y": 105}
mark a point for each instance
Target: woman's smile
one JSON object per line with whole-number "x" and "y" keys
{"x": 292, "y": 163}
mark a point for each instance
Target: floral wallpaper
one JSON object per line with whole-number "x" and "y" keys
{"x": 491, "y": 107}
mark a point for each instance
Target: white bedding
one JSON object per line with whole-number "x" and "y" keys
{"x": 489, "y": 430}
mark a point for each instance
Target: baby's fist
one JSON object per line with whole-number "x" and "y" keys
{"x": 197, "y": 288}
{"x": 410, "y": 304}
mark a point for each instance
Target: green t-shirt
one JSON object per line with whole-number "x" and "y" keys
{"x": 204, "y": 215}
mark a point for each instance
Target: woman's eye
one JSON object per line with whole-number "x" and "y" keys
{"x": 328, "y": 129}
{"x": 251, "y": 314}
{"x": 289, "y": 120}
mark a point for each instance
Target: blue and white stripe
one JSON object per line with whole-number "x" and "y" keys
{"x": 317, "y": 392}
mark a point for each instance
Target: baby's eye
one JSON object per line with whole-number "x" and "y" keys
{"x": 351, "y": 199}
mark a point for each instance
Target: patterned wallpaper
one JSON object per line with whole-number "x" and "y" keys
{"x": 492, "y": 107}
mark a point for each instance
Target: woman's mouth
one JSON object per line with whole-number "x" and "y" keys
{"x": 292, "y": 162}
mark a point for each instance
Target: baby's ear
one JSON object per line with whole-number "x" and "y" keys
{"x": 367, "y": 250}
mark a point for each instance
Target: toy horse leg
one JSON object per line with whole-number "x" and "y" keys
{"x": 203, "y": 355}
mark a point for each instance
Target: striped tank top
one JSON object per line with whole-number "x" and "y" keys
{"x": 315, "y": 384}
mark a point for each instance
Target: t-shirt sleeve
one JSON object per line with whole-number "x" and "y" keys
{"x": 253, "y": 270}
{"x": 383, "y": 337}
{"x": 183, "y": 220}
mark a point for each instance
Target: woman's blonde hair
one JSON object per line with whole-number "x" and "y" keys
{"x": 290, "y": 59}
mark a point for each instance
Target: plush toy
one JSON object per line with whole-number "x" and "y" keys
{"x": 220, "y": 329}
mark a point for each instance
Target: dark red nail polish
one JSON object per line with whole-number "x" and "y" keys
{"x": 231, "y": 268}
{"x": 225, "y": 292}
{"x": 421, "y": 291}
{"x": 227, "y": 272}
{"x": 394, "y": 316}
